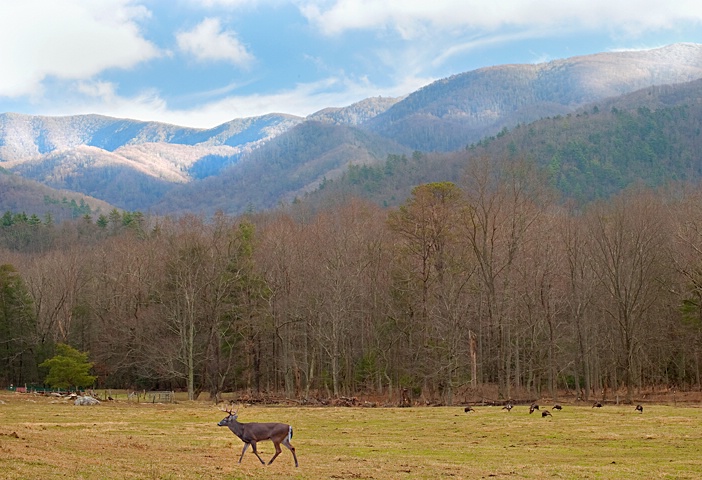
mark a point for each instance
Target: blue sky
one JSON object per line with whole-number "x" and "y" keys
{"x": 203, "y": 63}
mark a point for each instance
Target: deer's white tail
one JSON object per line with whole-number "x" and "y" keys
{"x": 290, "y": 433}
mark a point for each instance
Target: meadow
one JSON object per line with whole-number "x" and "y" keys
{"x": 45, "y": 437}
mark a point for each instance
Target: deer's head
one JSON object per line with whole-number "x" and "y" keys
{"x": 229, "y": 419}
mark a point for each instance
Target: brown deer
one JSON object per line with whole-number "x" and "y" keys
{"x": 250, "y": 433}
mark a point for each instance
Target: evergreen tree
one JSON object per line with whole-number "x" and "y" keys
{"x": 17, "y": 325}
{"x": 68, "y": 368}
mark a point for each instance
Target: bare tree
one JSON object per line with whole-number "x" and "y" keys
{"x": 579, "y": 295}
{"x": 433, "y": 278}
{"x": 125, "y": 316}
{"x": 190, "y": 295}
{"x": 540, "y": 309}
{"x": 504, "y": 199}
{"x": 278, "y": 260}
{"x": 57, "y": 281}
{"x": 342, "y": 242}
{"x": 687, "y": 290}
{"x": 628, "y": 250}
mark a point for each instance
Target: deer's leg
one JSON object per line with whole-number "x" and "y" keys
{"x": 253, "y": 446}
{"x": 286, "y": 442}
{"x": 246, "y": 445}
{"x": 277, "y": 452}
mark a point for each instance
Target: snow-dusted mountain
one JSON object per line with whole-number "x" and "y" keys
{"x": 451, "y": 113}
{"x": 134, "y": 164}
{"x": 355, "y": 114}
{"x": 25, "y": 137}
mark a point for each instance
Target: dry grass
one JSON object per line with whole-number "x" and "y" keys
{"x": 45, "y": 438}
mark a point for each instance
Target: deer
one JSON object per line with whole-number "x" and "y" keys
{"x": 250, "y": 433}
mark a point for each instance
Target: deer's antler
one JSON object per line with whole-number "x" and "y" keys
{"x": 229, "y": 411}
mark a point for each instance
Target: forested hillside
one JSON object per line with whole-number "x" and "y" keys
{"x": 599, "y": 151}
{"x": 651, "y": 137}
{"x": 462, "y": 109}
{"x": 287, "y": 167}
{"x": 21, "y": 196}
{"x": 485, "y": 289}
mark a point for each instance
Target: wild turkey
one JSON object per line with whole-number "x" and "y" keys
{"x": 507, "y": 407}
{"x": 639, "y": 408}
{"x": 557, "y": 407}
{"x": 468, "y": 409}
{"x": 597, "y": 404}
{"x": 546, "y": 413}
{"x": 533, "y": 407}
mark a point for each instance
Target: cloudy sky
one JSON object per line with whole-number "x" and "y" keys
{"x": 201, "y": 63}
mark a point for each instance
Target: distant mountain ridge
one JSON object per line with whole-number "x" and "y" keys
{"x": 26, "y": 136}
{"x": 451, "y": 113}
{"x": 135, "y": 164}
{"x": 355, "y": 114}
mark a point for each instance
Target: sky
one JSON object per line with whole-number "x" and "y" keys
{"x": 201, "y": 63}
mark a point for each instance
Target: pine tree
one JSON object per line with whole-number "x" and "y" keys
{"x": 69, "y": 368}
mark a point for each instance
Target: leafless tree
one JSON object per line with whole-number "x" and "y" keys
{"x": 628, "y": 251}
{"x": 505, "y": 199}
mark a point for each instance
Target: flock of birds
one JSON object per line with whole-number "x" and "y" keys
{"x": 545, "y": 413}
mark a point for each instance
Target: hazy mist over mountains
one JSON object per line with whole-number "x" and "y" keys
{"x": 259, "y": 162}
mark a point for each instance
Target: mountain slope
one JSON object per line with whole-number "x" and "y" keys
{"x": 127, "y": 163}
{"x": 355, "y": 114}
{"x": 19, "y": 195}
{"x": 650, "y": 137}
{"x": 287, "y": 167}
{"x": 454, "y": 112}
{"x": 24, "y": 136}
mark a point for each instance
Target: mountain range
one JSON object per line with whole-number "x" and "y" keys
{"x": 257, "y": 163}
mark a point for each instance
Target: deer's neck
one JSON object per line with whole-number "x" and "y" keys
{"x": 237, "y": 428}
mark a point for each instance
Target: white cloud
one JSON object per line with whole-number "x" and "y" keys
{"x": 208, "y": 42}
{"x": 105, "y": 91}
{"x": 225, "y": 3}
{"x": 483, "y": 41}
{"x": 303, "y": 99}
{"x": 415, "y": 17}
{"x": 68, "y": 40}
{"x": 102, "y": 98}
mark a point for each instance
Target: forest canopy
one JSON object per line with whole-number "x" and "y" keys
{"x": 489, "y": 284}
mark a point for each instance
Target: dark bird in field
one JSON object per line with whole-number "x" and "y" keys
{"x": 557, "y": 407}
{"x": 507, "y": 407}
{"x": 533, "y": 407}
{"x": 468, "y": 409}
{"x": 546, "y": 413}
{"x": 597, "y": 404}
{"x": 639, "y": 408}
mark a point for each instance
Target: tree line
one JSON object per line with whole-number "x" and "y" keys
{"x": 489, "y": 286}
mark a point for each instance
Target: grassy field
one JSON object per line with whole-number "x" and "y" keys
{"x": 47, "y": 438}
